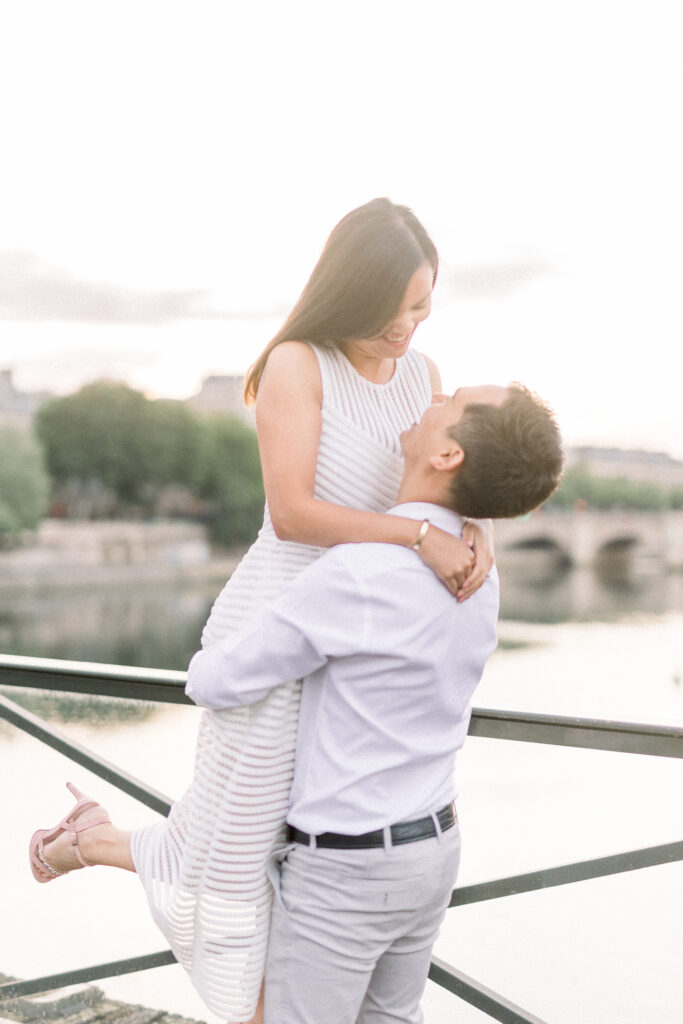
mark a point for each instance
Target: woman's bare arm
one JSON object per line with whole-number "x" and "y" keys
{"x": 288, "y": 421}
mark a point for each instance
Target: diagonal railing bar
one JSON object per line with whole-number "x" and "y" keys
{"x": 590, "y": 733}
{"x": 39, "y": 729}
{"x": 36, "y": 986}
{"x": 478, "y": 995}
{"x": 91, "y": 678}
{"x": 581, "y": 871}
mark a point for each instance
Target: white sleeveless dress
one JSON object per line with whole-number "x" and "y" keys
{"x": 203, "y": 868}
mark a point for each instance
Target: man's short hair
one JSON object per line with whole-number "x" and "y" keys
{"x": 513, "y": 456}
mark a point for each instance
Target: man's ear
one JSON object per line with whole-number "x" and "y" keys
{"x": 449, "y": 457}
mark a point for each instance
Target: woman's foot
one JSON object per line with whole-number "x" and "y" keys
{"x": 66, "y": 847}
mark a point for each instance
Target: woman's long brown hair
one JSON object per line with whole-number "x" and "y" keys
{"x": 357, "y": 284}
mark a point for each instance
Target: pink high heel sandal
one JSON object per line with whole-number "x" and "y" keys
{"x": 42, "y": 870}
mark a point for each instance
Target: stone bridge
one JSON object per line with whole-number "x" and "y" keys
{"x": 585, "y": 537}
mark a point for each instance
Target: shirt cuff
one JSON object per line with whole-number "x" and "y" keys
{"x": 192, "y": 673}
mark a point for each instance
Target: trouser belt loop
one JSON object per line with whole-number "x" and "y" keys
{"x": 437, "y": 825}
{"x": 313, "y": 842}
{"x": 388, "y": 843}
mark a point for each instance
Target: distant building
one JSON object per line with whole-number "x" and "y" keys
{"x": 222, "y": 393}
{"x": 19, "y": 406}
{"x": 645, "y": 467}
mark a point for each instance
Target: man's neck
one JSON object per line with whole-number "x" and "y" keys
{"x": 418, "y": 491}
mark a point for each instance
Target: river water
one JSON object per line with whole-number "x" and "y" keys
{"x": 597, "y": 952}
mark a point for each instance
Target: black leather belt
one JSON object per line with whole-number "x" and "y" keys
{"x": 404, "y": 832}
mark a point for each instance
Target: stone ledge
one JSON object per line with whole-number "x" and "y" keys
{"x": 83, "y": 1006}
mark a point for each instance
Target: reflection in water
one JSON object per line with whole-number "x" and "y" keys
{"x": 528, "y": 594}
{"x": 148, "y": 626}
{"x": 76, "y": 707}
{"x": 156, "y": 628}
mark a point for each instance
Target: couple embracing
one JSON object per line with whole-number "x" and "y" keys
{"x": 327, "y": 805}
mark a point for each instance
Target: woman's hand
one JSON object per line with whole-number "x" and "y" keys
{"x": 450, "y": 558}
{"x": 461, "y": 565}
{"x": 478, "y": 534}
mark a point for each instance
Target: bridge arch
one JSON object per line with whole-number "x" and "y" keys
{"x": 589, "y": 536}
{"x": 542, "y": 543}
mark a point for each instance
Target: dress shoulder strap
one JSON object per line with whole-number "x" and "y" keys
{"x": 326, "y": 363}
{"x": 413, "y": 368}
{"x": 342, "y": 386}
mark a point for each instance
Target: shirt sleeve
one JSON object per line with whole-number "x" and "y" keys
{"x": 322, "y": 615}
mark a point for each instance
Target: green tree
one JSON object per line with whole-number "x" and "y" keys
{"x": 24, "y": 483}
{"x": 172, "y": 449}
{"x": 174, "y": 443}
{"x": 111, "y": 436}
{"x": 676, "y": 498}
{"x": 231, "y": 481}
{"x": 98, "y": 433}
{"x": 133, "y": 447}
{"x": 579, "y": 484}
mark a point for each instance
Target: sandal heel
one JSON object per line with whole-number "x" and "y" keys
{"x": 41, "y": 868}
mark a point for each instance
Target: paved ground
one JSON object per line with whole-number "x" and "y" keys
{"x": 86, "y": 1006}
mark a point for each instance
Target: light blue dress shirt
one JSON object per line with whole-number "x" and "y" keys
{"x": 390, "y": 661}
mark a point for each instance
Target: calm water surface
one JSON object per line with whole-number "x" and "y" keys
{"x": 599, "y": 952}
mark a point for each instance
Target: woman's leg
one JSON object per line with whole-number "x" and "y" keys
{"x": 85, "y": 837}
{"x": 258, "y": 1016}
{"x": 106, "y": 845}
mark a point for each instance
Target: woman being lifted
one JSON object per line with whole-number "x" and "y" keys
{"x": 333, "y": 390}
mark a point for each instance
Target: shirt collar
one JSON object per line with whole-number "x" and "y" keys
{"x": 443, "y": 518}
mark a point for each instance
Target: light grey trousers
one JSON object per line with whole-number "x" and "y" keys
{"x": 352, "y": 931}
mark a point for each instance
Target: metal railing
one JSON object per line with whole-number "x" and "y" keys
{"x": 168, "y": 687}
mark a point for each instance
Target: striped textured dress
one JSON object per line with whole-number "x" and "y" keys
{"x": 203, "y": 868}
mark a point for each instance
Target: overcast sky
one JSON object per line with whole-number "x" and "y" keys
{"x": 170, "y": 172}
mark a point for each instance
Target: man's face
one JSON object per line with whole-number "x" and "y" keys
{"x": 427, "y": 437}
